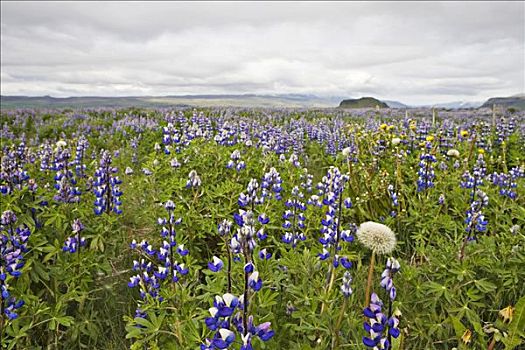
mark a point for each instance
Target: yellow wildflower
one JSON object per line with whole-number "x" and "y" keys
{"x": 507, "y": 313}
{"x": 466, "y": 336}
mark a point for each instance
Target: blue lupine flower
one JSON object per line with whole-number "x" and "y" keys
{"x": 324, "y": 255}
{"x": 13, "y": 176}
{"x": 254, "y": 281}
{"x": 271, "y": 185}
{"x": 13, "y": 244}
{"x": 476, "y": 222}
{"x": 182, "y": 251}
{"x": 426, "y": 172}
{"x": 225, "y": 227}
{"x": 216, "y": 265}
{"x": 236, "y": 162}
{"x": 264, "y": 255}
{"x": 475, "y": 179}
{"x": 376, "y": 324}
{"x": 392, "y": 267}
{"x": 150, "y": 278}
{"x": 263, "y": 219}
{"x": 194, "y": 180}
{"x": 294, "y": 219}
{"x": 394, "y": 198}
{"x": 107, "y": 190}
{"x": 345, "y": 286}
{"x": 506, "y": 182}
{"x": 74, "y": 243}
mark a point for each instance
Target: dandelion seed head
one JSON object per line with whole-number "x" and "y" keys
{"x": 377, "y": 237}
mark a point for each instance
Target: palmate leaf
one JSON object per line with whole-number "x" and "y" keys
{"x": 516, "y": 327}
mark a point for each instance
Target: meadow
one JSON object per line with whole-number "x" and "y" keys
{"x": 237, "y": 228}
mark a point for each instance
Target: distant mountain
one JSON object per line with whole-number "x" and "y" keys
{"x": 363, "y": 102}
{"x": 395, "y": 104}
{"x": 516, "y": 101}
{"x": 458, "y": 105}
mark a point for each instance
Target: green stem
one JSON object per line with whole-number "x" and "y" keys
{"x": 370, "y": 276}
{"x": 335, "y": 340}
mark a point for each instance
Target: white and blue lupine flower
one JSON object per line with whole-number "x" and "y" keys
{"x": 264, "y": 255}
{"x": 263, "y": 219}
{"x": 216, "y": 265}
{"x": 225, "y": 339}
{"x": 254, "y": 281}
{"x": 346, "y": 289}
{"x": 426, "y": 172}
{"x": 324, "y": 255}
{"x": 181, "y": 250}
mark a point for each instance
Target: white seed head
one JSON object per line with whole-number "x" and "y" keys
{"x": 377, "y": 237}
{"x": 453, "y": 153}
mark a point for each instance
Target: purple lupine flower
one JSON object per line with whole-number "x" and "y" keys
{"x": 13, "y": 245}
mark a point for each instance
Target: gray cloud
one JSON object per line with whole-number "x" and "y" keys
{"x": 413, "y": 52}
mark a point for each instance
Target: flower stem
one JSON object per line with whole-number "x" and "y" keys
{"x": 370, "y": 276}
{"x": 335, "y": 340}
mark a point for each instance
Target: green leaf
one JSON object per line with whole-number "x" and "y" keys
{"x": 485, "y": 286}
{"x": 516, "y": 326}
{"x": 459, "y": 328}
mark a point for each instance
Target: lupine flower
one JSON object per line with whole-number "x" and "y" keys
{"x": 73, "y": 243}
{"x": 392, "y": 267}
{"x": 254, "y": 281}
{"x": 12, "y": 173}
{"x": 345, "y": 286}
{"x": 194, "y": 180}
{"x": 271, "y": 185}
{"x": 174, "y": 163}
{"x": 107, "y": 190}
{"x": 225, "y": 227}
{"x": 377, "y": 325}
{"x": 476, "y": 222}
{"x": 13, "y": 244}
{"x": 223, "y": 321}
{"x": 331, "y": 188}
{"x": 264, "y": 255}
{"x": 67, "y": 192}
{"x": 294, "y": 219}
{"x": 216, "y": 265}
{"x": 150, "y": 278}
{"x": 236, "y": 162}
{"x": 394, "y": 198}
{"x": 426, "y": 171}
{"x": 506, "y": 182}
{"x": 475, "y": 179}
{"x": 81, "y": 149}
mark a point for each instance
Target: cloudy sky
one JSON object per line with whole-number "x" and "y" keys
{"x": 416, "y": 53}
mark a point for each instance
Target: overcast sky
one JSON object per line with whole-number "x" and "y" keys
{"x": 412, "y": 52}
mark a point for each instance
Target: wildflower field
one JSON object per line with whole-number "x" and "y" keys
{"x": 262, "y": 229}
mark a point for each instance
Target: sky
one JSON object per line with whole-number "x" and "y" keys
{"x": 416, "y": 53}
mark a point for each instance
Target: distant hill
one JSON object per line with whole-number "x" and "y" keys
{"x": 517, "y": 102}
{"x": 363, "y": 102}
{"x": 240, "y": 100}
